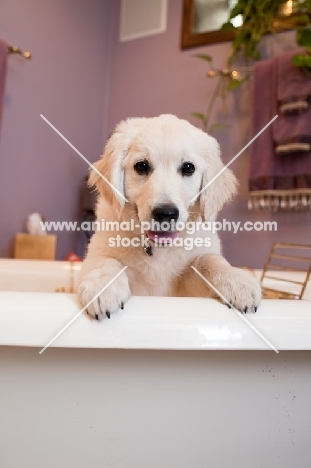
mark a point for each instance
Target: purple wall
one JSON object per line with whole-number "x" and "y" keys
{"x": 152, "y": 75}
{"x": 64, "y": 81}
{"x": 85, "y": 81}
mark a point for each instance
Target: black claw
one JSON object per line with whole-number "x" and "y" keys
{"x": 96, "y": 316}
{"x": 245, "y": 310}
{"x": 108, "y": 313}
{"x": 229, "y": 305}
{"x": 255, "y": 310}
{"x": 122, "y": 305}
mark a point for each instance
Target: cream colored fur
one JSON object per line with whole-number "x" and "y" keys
{"x": 165, "y": 142}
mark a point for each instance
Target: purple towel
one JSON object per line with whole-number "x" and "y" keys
{"x": 292, "y": 130}
{"x": 293, "y": 85}
{"x": 292, "y": 133}
{"x": 277, "y": 181}
{"x": 262, "y": 149}
{"x": 3, "y": 71}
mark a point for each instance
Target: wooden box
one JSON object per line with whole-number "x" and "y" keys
{"x": 28, "y": 246}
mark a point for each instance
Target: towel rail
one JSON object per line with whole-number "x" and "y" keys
{"x": 16, "y": 50}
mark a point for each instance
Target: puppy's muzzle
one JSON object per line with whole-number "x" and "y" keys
{"x": 163, "y": 231}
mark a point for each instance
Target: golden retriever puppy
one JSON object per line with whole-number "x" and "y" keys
{"x": 153, "y": 170}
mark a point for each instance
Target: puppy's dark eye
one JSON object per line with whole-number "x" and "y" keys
{"x": 187, "y": 169}
{"x": 142, "y": 167}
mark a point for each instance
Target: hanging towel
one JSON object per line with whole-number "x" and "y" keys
{"x": 293, "y": 86}
{"x": 280, "y": 167}
{"x": 292, "y": 130}
{"x": 3, "y": 72}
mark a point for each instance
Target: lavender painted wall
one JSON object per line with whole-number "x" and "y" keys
{"x": 64, "y": 81}
{"x": 152, "y": 75}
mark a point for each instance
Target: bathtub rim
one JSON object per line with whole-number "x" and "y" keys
{"x": 33, "y": 319}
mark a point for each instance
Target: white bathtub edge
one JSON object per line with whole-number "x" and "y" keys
{"x": 33, "y": 319}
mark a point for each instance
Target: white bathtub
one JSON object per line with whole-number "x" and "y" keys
{"x": 29, "y": 297}
{"x": 58, "y": 276}
{"x": 165, "y": 383}
{"x": 38, "y": 275}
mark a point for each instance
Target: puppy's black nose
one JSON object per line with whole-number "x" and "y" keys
{"x": 165, "y": 213}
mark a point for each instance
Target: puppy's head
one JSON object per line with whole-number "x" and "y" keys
{"x": 159, "y": 165}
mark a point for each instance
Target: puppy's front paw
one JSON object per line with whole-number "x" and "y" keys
{"x": 240, "y": 289}
{"x": 111, "y": 298}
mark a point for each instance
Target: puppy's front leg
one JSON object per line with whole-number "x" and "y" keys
{"x": 94, "y": 278}
{"x": 237, "y": 286}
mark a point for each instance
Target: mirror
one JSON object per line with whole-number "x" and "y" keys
{"x": 202, "y": 20}
{"x": 210, "y": 15}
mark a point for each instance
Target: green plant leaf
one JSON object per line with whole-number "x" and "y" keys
{"x": 305, "y": 4}
{"x": 304, "y": 37}
{"x": 218, "y": 126}
{"x": 237, "y": 10}
{"x": 302, "y": 60}
{"x": 300, "y": 20}
{"x": 205, "y": 57}
{"x": 227, "y": 27}
{"x": 198, "y": 115}
{"x": 234, "y": 84}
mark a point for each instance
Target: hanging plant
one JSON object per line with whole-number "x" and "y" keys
{"x": 258, "y": 17}
{"x": 226, "y": 81}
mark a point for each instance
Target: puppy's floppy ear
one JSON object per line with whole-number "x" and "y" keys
{"x": 223, "y": 187}
{"x": 108, "y": 175}
{"x": 111, "y": 184}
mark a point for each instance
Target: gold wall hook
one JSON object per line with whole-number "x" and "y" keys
{"x": 16, "y": 50}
